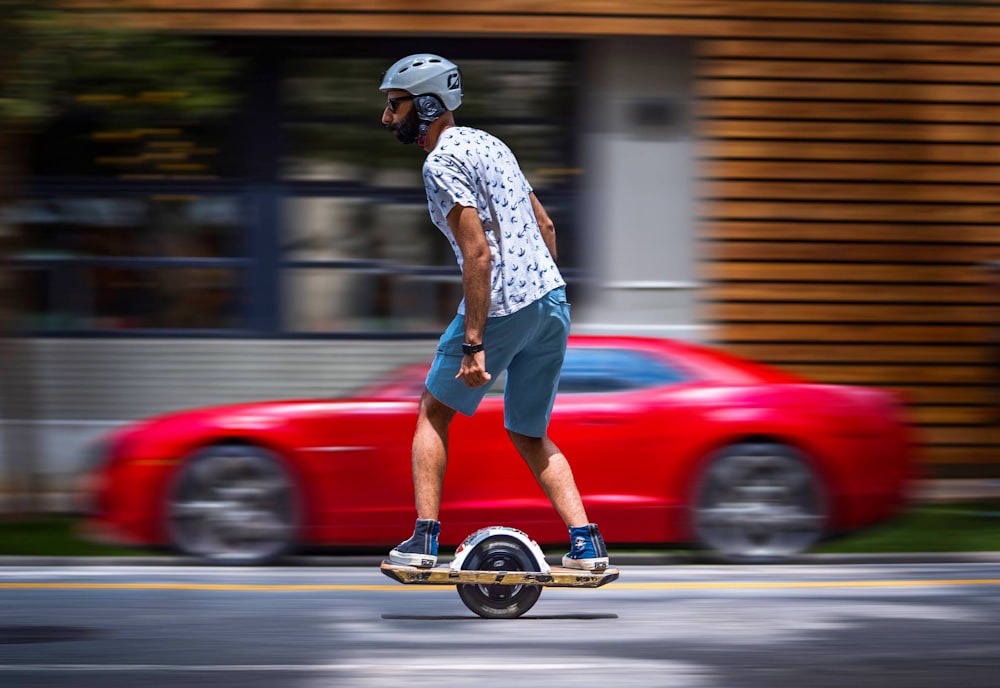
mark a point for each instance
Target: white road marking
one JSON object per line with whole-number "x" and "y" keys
{"x": 382, "y": 668}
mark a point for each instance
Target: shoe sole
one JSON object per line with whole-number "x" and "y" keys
{"x": 598, "y": 564}
{"x": 421, "y": 561}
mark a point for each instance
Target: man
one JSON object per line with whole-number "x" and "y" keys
{"x": 514, "y": 315}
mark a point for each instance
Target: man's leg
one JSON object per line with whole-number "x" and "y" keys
{"x": 430, "y": 455}
{"x": 553, "y": 473}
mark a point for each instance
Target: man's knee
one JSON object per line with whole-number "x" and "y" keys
{"x": 435, "y": 411}
{"x": 524, "y": 442}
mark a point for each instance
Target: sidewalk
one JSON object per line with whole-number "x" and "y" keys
{"x": 957, "y": 490}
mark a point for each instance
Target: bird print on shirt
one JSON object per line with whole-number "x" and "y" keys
{"x": 472, "y": 168}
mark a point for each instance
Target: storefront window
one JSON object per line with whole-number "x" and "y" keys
{"x": 361, "y": 254}
{"x": 494, "y": 89}
{"x": 129, "y": 263}
{"x": 365, "y": 264}
{"x": 348, "y": 152}
{"x": 299, "y": 214}
{"x": 78, "y": 145}
{"x": 334, "y": 130}
{"x": 368, "y": 299}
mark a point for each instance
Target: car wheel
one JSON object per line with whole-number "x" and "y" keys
{"x": 758, "y": 502}
{"x": 233, "y": 504}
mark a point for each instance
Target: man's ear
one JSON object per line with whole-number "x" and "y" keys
{"x": 429, "y": 107}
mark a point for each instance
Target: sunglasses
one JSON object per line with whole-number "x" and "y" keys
{"x": 393, "y": 103}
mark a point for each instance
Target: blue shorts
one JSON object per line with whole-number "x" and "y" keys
{"x": 529, "y": 345}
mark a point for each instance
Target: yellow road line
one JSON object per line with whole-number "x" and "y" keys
{"x": 802, "y": 584}
{"x": 730, "y": 585}
{"x": 192, "y": 586}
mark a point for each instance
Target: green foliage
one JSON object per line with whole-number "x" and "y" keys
{"x": 957, "y": 527}
{"x": 53, "y": 535}
{"x": 50, "y": 61}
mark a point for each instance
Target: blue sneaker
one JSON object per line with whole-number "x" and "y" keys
{"x": 421, "y": 549}
{"x": 588, "y": 551}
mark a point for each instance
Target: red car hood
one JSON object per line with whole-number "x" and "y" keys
{"x": 175, "y": 433}
{"x": 255, "y": 414}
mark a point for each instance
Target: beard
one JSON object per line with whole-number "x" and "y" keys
{"x": 406, "y": 131}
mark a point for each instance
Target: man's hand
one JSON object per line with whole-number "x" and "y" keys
{"x": 473, "y": 370}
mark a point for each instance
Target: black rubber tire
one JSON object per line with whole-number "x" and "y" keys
{"x": 759, "y": 502}
{"x": 500, "y": 553}
{"x": 233, "y": 505}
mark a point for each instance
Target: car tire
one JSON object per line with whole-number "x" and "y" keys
{"x": 233, "y": 505}
{"x": 758, "y": 502}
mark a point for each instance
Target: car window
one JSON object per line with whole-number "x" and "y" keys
{"x": 594, "y": 370}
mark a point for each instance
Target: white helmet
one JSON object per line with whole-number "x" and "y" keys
{"x": 425, "y": 74}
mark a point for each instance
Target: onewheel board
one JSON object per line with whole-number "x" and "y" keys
{"x": 556, "y": 577}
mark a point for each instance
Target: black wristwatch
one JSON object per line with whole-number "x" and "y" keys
{"x": 470, "y": 349}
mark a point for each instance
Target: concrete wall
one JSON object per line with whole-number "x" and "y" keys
{"x": 86, "y": 387}
{"x": 639, "y": 219}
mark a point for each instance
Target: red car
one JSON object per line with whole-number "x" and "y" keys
{"x": 670, "y": 443}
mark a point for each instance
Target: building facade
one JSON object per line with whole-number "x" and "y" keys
{"x": 811, "y": 184}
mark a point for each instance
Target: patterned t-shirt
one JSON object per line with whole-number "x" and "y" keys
{"x": 472, "y": 168}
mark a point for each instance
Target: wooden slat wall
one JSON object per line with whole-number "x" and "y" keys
{"x": 788, "y": 19}
{"x": 850, "y": 169}
{"x": 850, "y": 197}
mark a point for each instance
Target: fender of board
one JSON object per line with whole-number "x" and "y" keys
{"x": 493, "y": 531}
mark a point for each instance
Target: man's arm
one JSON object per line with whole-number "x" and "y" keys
{"x": 545, "y": 224}
{"x": 476, "y": 270}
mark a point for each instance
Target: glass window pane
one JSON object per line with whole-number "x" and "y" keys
{"x": 76, "y": 145}
{"x": 515, "y": 88}
{"x": 197, "y": 298}
{"x": 344, "y": 87}
{"x": 521, "y": 101}
{"x": 347, "y": 152}
{"x": 323, "y": 300}
{"x": 364, "y": 153}
{"x": 363, "y": 229}
{"x": 74, "y": 297}
{"x": 74, "y": 293}
{"x": 158, "y": 226}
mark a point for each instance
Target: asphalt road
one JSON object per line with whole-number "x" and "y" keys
{"x": 885, "y": 625}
